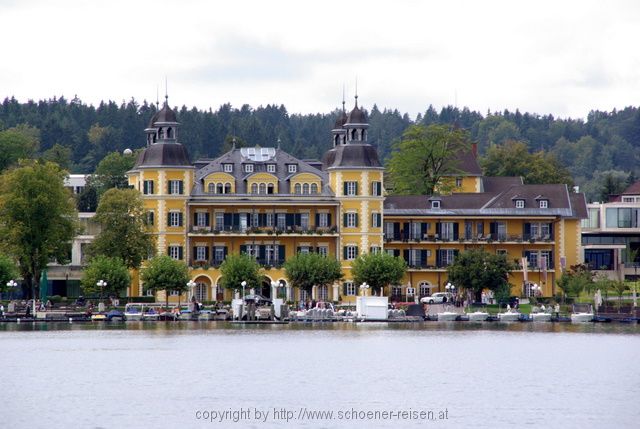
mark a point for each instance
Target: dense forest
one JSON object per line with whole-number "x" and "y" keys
{"x": 601, "y": 153}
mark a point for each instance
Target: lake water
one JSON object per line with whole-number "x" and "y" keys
{"x": 183, "y": 375}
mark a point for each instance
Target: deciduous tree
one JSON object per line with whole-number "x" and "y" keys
{"x": 378, "y": 270}
{"x": 238, "y": 268}
{"x": 166, "y": 274}
{"x": 476, "y": 270}
{"x": 306, "y": 270}
{"x": 111, "y": 270}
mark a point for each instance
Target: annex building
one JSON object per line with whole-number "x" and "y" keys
{"x": 265, "y": 202}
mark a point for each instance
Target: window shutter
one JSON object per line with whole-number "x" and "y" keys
{"x": 297, "y": 219}
{"x": 356, "y": 216}
{"x": 424, "y": 227}
{"x": 145, "y": 188}
{"x": 456, "y": 252}
{"x": 405, "y": 230}
{"x": 281, "y": 253}
{"x": 298, "y": 249}
{"x": 180, "y": 187}
{"x": 317, "y": 219}
{"x": 371, "y": 249}
{"x": 262, "y": 250}
{"x": 207, "y": 219}
{"x": 169, "y": 190}
{"x": 456, "y": 230}
{"x": 195, "y": 253}
{"x": 396, "y": 230}
{"x": 151, "y": 186}
{"x": 424, "y": 257}
{"x": 405, "y": 255}
{"x": 356, "y": 188}
{"x": 289, "y": 219}
{"x": 344, "y": 288}
{"x": 180, "y": 219}
{"x": 396, "y": 253}
{"x": 168, "y": 218}
{"x": 438, "y": 258}
{"x": 169, "y": 250}
{"x": 329, "y": 219}
{"x": 180, "y": 253}
{"x": 344, "y": 253}
{"x": 344, "y": 188}
{"x": 493, "y": 228}
{"x": 195, "y": 218}
{"x": 551, "y": 231}
{"x": 225, "y": 250}
{"x": 344, "y": 220}
{"x": 356, "y": 252}
{"x": 151, "y": 218}
{"x": 380, "y": 220}
{"x": 526, "y": 230}
{"x": 243, "y": 248}
{"x": 206, "y": 253}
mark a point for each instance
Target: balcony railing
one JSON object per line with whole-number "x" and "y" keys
{"x": 235, "y": 229}
{"x": 485, "y": 238}
{"x": 215, "y": 263}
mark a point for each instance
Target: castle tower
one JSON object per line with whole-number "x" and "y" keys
{"x": 164, "y": 176}
{"x": 356, "y": 177}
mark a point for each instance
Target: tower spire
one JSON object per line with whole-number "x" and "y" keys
{"x": 356, "y": 91}
{"x": 166, "y": 92}
{"x": 157, "y": 97}
{"x": 343, "y": 102}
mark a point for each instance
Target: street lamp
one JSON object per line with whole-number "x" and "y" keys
{"x": 101, "y": 284}
{"x": 190, "y": 284}
{"x": 274, "y": 288}
{"x": 536, "y": 289}
{"x": 243, "y": 284}
{"x": 363, "y": 289}
{"x": 449, "y": 287}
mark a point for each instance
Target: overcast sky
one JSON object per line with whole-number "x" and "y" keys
{"x": 559, "y": 57}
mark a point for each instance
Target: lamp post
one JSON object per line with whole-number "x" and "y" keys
{"x": 11, "y": 284}
{"x": 101, "y": 284}
{"x": 274, "y": 289}
{"x": 190, "y": 284}
{"x": 243, "y": 284}
{"x": 364, "y": 287}
{"x": 449, "y": 287}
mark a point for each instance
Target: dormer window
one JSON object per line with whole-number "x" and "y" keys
{"x": 458, "y": 182}
{"x": 271, "y": 168}
{"x": 292, "y": 168}
{"x": 519, "y": 204}
{"x": 227, "y": 168}
{"x": 435, "y": 204}
{"x": 544, "y": 204}
{"x": 248, "y": 168}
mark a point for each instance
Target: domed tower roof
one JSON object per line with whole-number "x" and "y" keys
{"x": 165, "y": 115}
{"x": 356, "y": 116}
{"x": 163, "y": 155}
{"x": 356, "y": 155}
{"x": 340, "y": 120}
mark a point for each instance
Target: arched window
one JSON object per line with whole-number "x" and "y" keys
{"x": 314, "y": 188}
{"x": 305, "y": 188}
{"x": 254, "y": 188}
{"x": 201, "y": 291}
{"x": 353, "y": 134}
{"x": 424, "y": 289}
{"x": 211, "y": 188}
{"x": 263, "y": 188}
{"x": 335, "y": 139}
{"x": 169, "y": 133}
{"x": 270, "y": 188}
{"x": 227, "y": 188}
{"x": 160, "y": 134}
{"x": 298, "y": 188}
{"x": 219, "y": 189}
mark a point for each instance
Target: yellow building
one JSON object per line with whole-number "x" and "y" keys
{"x": 264, "y": 202}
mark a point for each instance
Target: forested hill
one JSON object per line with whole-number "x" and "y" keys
{"x": 606, "y": 146}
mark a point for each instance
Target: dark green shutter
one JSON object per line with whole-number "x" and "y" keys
{"x": 168, "y": 218}
{"x": 344, "y": 288}
{"x": 180, "y": 219}
{"x": 329, "y": 219}
{"x": 281, "y": 253}
{"x": 356, "y": 223}
{"x": 180, "y": 187}
{"x": 356, "y": 188}
{"x": 344, "y": 220}
{"x": 206, "y": 253}
{"x": 195, "y": 253}
{"x": 405, "y": 255}
{"x": 180, "y": 253}
{"x": 317, "y": 219}
{"x": 455, "y": 230}
{"x": 195, "y": 218}
{"x": 344, "y": 253}
{"x": 298, "y": 249}
{"x": 344, "y": 188}
{"x": 356, "y": 252}
{"x": 526, "y": 231}
{"x": 243, "y": 248}
{"x": 225, "y": 251}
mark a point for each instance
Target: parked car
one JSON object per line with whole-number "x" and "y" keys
{"x": 437, "y": 298}
{"x": 258, "y": 299}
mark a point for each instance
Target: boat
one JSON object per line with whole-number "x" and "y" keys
{"x": 581, "y": 317}
{"x": 478, "y": 316}
{"x": 133, "y": 311}
{"x": 509, "y": 316}
{"x": 447, "y": 316}
{"x": 98, "y": 317}
{"x": 540, "y": 317}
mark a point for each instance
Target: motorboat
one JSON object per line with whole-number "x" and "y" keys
{"x": 98, "y": 317}
{"x": 478, "y": 316}
{"x": 133, "y": 311}
{"x": 509, "y": 316}
{"x": 447, "y": 316}
{"x": 581, "y": 317}
{"x": 540, "y": 317}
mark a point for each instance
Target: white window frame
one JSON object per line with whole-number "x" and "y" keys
{"x": 351, "y": 289}
{"x": 227, "y": 168}
{"x": 519, "y": 204}
{"x": 448, "y": 232}
{"x": 174, "y": 219}
{"x": 271, "y": 168}
{"x": 376, "y": 249}
{"x": 218, "y": 253}
{"x": 269, "y": 219}
{"x": 544, "y": 204}
{"x": 424, "y": 289}
{"x": 351, "y": 252}
{"x": 201, "y": 219}
{"x": 351, "y": 220}
{"x": 248, "y": 168}
{"x": 323, "y": 220}
{"x": 201, "y": 253}
{"x": 174, "y": 252}
{"x": 351, "y": 188}
{"x": 292, "y": 168}
{"x": 435, "y": 204}
{"x": 304, "y": 221}
{"x": 375, "y": 220}
{"x": 174, "y": 187}
{"x": 323, "y": 250}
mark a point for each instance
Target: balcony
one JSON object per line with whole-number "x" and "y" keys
{"x": 294, "y": 230}
{"x": 480, "y": 238}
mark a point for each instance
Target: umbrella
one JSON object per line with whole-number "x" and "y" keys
{"x": 44, "y": 286}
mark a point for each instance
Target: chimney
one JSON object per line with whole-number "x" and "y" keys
{"x": 474, "y": 149}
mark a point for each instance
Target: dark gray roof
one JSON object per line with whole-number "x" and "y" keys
{"x": 357, "y": 155}
{"x": 356, "y": 116}
{"x": 280, "y": 158}
{"x": 467, "y": 164}
{"x": 340, "y": 121}
{"x": 165, "y": 115}
{"x": 163, "y": 155}
{"x": 561, "y": 203}
{"x": 499, "y": 184}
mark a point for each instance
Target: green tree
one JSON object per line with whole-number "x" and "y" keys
{"x": 124, "y": 231}
{"x": 59, "y": 154}
{"x": 476, "y": 270}
{"x": 619, "y": 287}
{"x": 378, "y": 270}
{"x": 306, "y": 270}
{"x": 238, "y": 268}
{"x": 39, "y": 218}
{"x": 8, "y": 271}
{"x": 166, "y": 274}
{"x": 513, "y": 159}
{"x": 111, "y": 270}
{"x": 576, "y": 279}
{"x": 17, "y": 143}
{"x": 111, "y": 171}
{"x": 424, "y": 156}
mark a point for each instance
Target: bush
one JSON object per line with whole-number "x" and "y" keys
{"x": 55, "y": 299}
